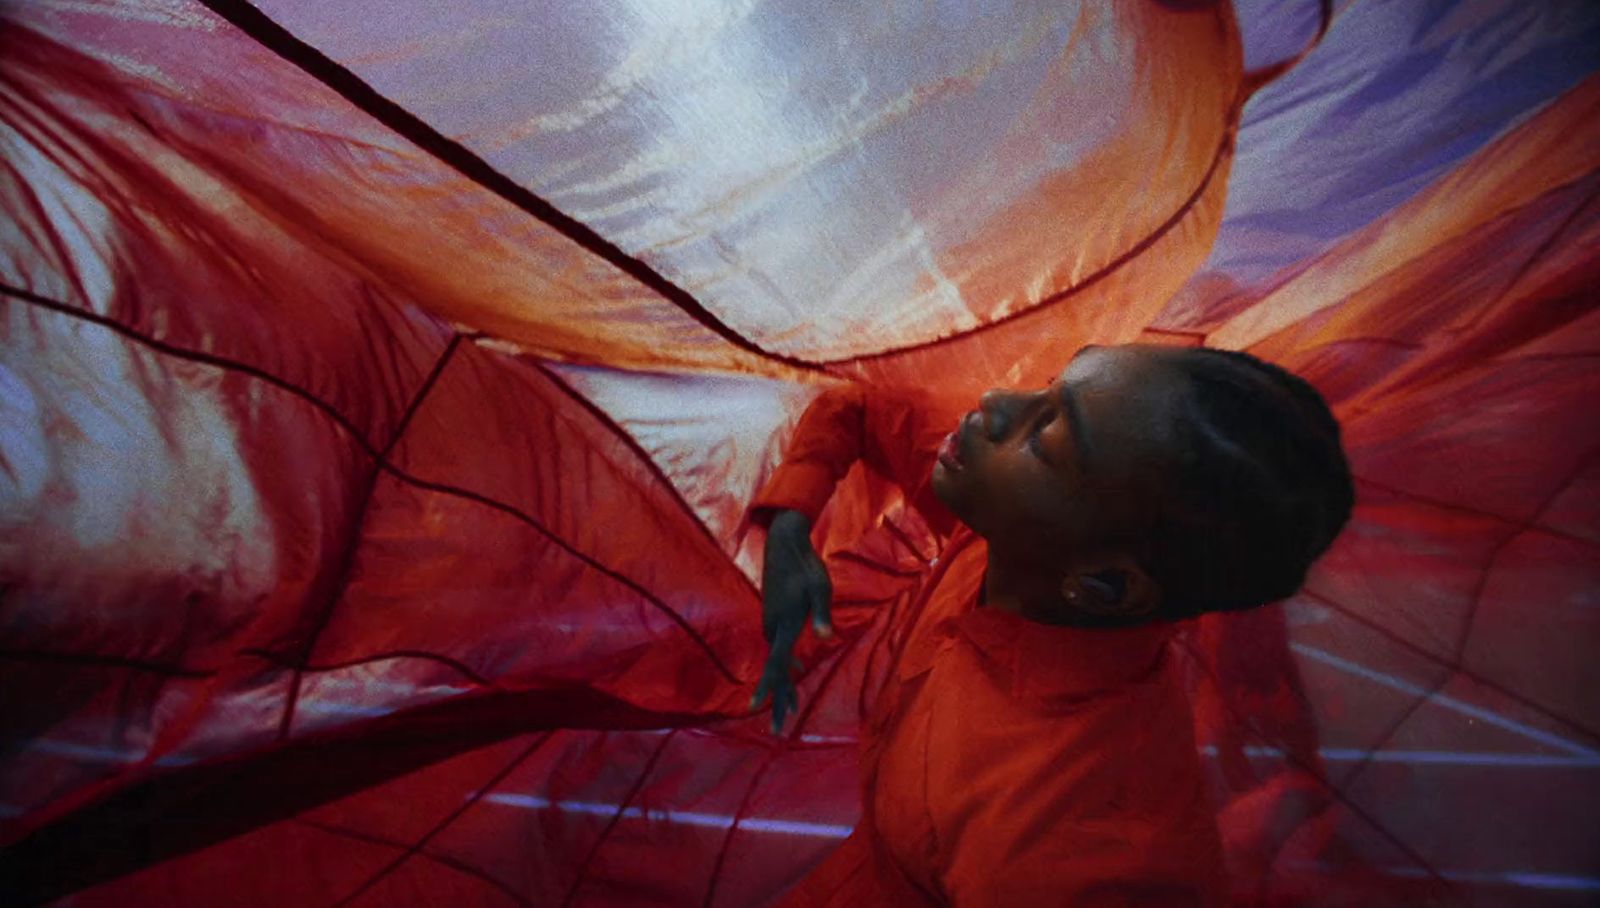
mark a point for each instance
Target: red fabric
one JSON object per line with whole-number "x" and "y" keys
{"x": 894, "y": 435}
{"x": 1006, "y": 763}
{"x": 381, "y": 399}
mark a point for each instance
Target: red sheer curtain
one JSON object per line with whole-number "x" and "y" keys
{"x": 381, "y": 395}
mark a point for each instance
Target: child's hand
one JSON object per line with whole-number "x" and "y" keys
{"x": 795, "y": 586}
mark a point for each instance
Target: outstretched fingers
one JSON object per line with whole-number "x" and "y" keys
{"x": 777, "y": 684}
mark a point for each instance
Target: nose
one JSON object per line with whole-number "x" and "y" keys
{"x": 1001, "y": 409}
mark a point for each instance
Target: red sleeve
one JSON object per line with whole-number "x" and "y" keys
{"x": 896, "y": 436}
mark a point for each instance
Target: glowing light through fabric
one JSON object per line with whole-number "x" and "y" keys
{"x": 382, "y": 387}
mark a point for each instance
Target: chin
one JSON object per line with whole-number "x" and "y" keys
{"x": 946, "y": 487}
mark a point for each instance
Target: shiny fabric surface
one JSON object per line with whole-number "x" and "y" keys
{"x": 382, "y": 388}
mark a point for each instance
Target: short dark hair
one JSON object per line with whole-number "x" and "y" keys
{"x": 1261, "y": 487}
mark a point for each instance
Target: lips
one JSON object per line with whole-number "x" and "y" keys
{"x": 950, "y": 448}
{"x": 950, "y": 452}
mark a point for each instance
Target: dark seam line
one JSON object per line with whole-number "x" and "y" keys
{"x": 422, "y": 393}
{"x": 458, "y": 157}
{"x": 804, "y": 716}
{"x": 1379, "y": 341}
{"x": 173, "y": 671}
{"x": 1393, "y": 728}
{"x": 1494, "y": 556}
{"x": 338, "y": 418}
{"x": 1534, "y": 257}
{"x": 1104, "y": 272}
{"x": 1289, "y": 756}
{"x": 314, "y": 668}
{"x": 905, "y": 539}
{"x": 787, "y": 744}
{"x": 208, "y": 359}
{"x": 858, "y": 558}
{"x": 1551, "y": 357}
{"x": 622, "y": 808}
{"x": 347, "y": 559}
{"x": 626, "y": 437}
{"x": 1350, "y": 804}
{"x": 1446, "y": 663}
{"x": 1530, "y": 524}
{"x": 567, "y": 547}
{"x": 444, "y": 859}
{"x": 1298, "y": 269}
{"x": 1464, "y": 634}
{"x": 341, "y": 80}
{"x": 440, "y": 826}
{"x": 1175, "y": 332}
{"x": 1260, "y": 77}
{"x": 273, "y": 36}
{"x": 1387, "y": 385}
{"x": 738, "y": 814}
{"x": 1583, "y": 465}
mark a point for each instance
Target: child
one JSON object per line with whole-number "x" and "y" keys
{"x": 1034, "y": 744}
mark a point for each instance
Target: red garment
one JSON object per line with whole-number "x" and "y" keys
{"x": 1006, "y": 762}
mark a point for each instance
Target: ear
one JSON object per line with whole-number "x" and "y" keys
{"x": 1111, "y": 587}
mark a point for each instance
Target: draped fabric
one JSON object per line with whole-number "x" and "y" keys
{"x": 382, "y": 387}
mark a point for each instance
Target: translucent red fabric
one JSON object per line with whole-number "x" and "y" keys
{"x": 381, "y": 393}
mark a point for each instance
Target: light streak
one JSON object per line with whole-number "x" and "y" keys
{"x": 1444, "y": 700}
{"x": 683, "y": 817}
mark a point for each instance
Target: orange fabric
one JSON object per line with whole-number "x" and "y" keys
{"x": 857, "y": 873}
{"x": 381, "y": 398}
{"x": 895, "y": 435}
{"x": 1005, "y": 762}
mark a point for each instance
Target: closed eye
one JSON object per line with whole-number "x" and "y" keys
{"x": 1034, "y": 443}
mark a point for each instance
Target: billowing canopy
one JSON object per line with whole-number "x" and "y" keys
{"x": 382, "y": 386}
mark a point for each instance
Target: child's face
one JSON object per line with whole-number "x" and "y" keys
{"x": 1075, "y": 466}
